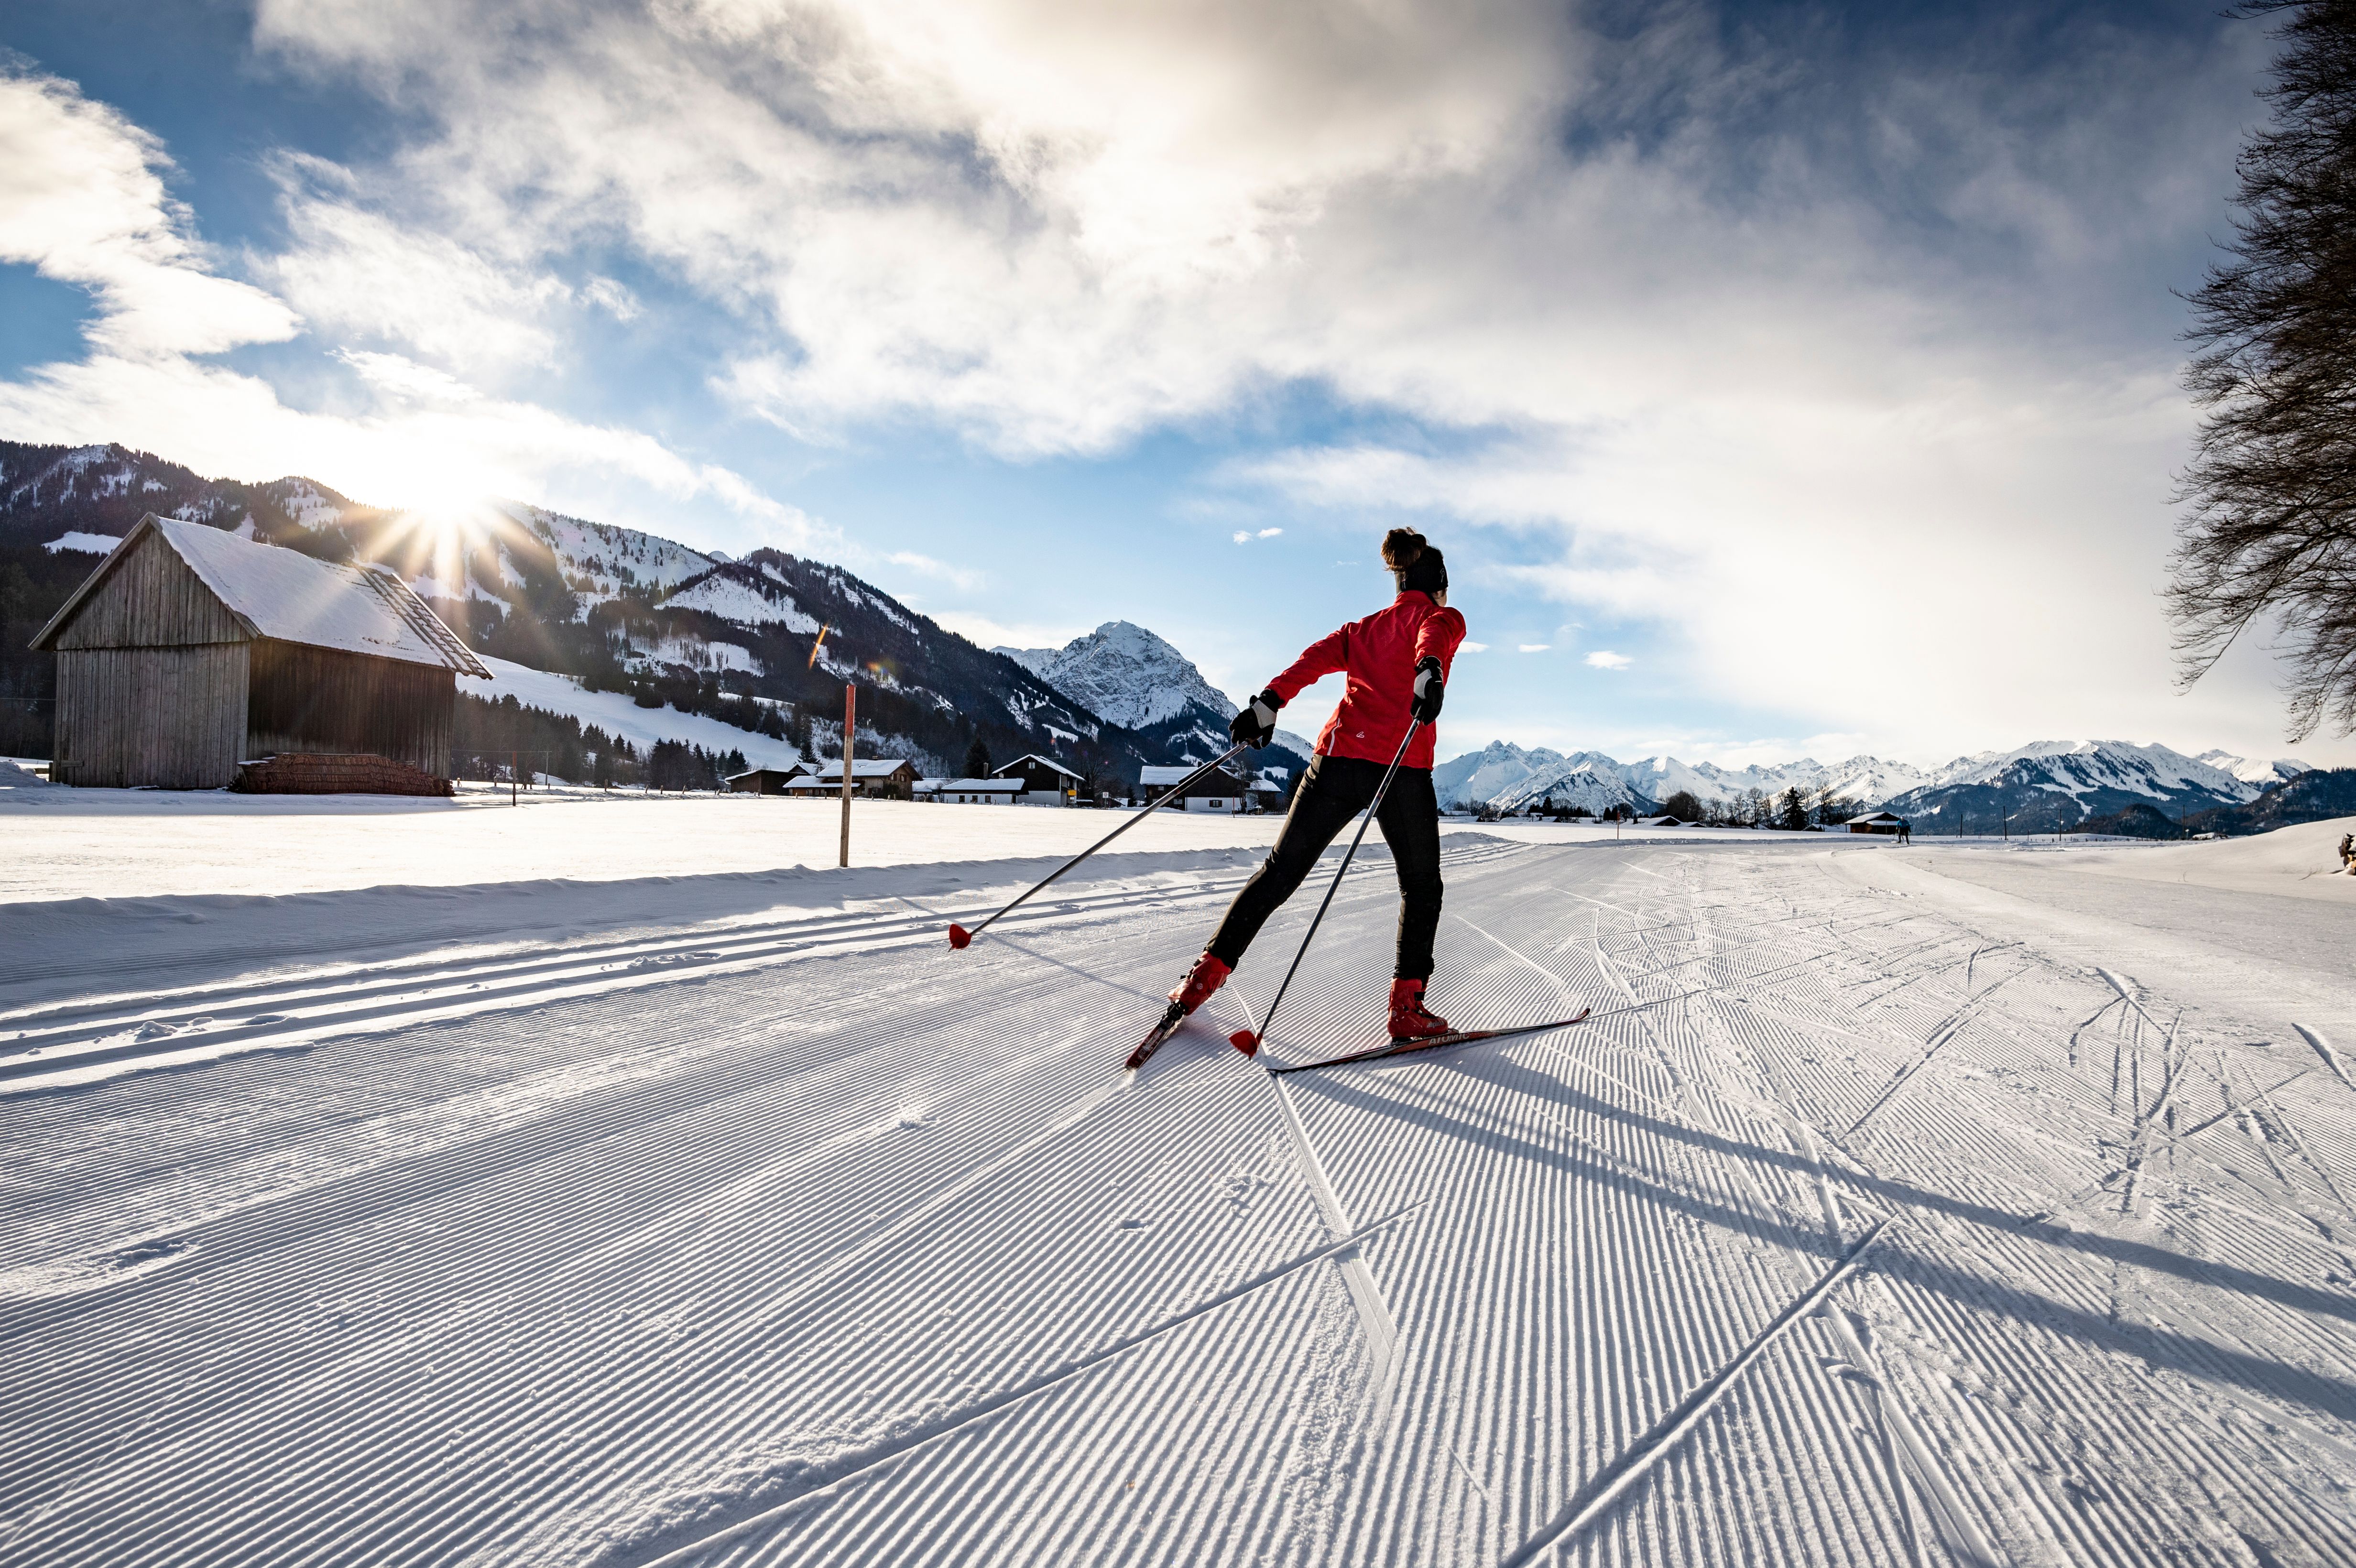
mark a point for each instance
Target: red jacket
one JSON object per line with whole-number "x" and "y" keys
{"x": 1379, "y": 654}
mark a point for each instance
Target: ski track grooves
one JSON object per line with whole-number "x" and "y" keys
{"x": 840, "y": 1257}
{"x": 991, "y": 1406}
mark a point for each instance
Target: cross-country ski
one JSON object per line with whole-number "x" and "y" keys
{"x": 1426, "y": 1042}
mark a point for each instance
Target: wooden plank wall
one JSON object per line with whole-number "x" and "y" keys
{"x": 173, "y": 718}
{"x": 320, "y": 699}
{"x": 150, "y": 600}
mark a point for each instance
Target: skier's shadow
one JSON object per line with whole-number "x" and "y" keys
{"x": 2191, "y": 1354}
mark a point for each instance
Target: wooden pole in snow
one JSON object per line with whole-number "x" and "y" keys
{"x": 850, "y": 729}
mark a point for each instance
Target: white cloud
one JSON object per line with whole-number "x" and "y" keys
{"x": 1268, "y": 533}
{"x": 1604, "y": 658}
{"x": 406, "y": 378}
{"x": 612, "y": 298}
{"x": 82, "y": 198}
{"x": 988, "y": 633}
{"x": 359, "y": 274}
{"x": 1469, "y": 646}
{"x": 1536, "y": 647}
{"x": 1242, "y": 538}
{"x": 925, "y": 566}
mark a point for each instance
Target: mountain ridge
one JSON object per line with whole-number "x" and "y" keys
{"x": 2038, "y": 786}
{"x": 766, "y": 641}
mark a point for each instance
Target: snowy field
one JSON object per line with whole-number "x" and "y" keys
{"x": 584, "y": 1183}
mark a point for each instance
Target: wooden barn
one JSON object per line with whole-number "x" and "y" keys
{"x": 190, "y": 649}
{"x": 766, "y": 781}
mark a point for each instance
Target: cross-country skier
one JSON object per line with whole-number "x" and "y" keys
{"x": 1396, "y": 661}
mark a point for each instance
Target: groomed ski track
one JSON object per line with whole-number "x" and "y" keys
{"x": 808, "y": 1240}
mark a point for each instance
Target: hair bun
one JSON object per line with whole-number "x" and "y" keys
{"x": 1400, "y": 547}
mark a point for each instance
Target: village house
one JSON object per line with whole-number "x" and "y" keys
{"x": 971, "y": 791}
{"x": 1045, "y": 782}
{"x": 769, "y": 781}
{"x": 872, "y": 778}
{"x": 1215, "y": 791}
{"x": 190, "y": 651}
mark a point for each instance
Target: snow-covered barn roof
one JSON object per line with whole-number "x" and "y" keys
{"x": 863, "y": 768}
{"x": 290, "y": 597}
{"x": 1156, "y": 775}
{"x": 1048, "y": 762}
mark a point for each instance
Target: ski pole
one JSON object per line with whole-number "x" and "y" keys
{"x": 1245, "y": 1039}
{"x": 959, "y": 935}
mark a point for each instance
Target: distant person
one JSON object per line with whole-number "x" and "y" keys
{"x": 2348, "y": 853}
{"x": 1396, "y": 661}
{"x": 1905, "y": 831}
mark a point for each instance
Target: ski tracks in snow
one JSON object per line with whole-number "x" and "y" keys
{"x": 1802, "y": 1250}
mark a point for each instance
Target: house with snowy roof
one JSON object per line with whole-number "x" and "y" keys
{"x": 190, "y": 649}
{"x": 1045, "y": 782}
{"x": 878, "y": 778}
{"x": 970, "y": 792}
{"x": 1215, "y": 791}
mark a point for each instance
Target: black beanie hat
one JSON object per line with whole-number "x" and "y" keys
{"x": 1415, "y": 563}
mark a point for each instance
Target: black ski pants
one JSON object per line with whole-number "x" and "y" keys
{"x": 1334, "y": 790}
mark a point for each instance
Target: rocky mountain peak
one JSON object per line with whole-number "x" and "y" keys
{"x": 1123, "y": 672}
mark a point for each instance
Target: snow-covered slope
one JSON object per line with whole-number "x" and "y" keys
{"x": 748, "y": 600}
{"x": 599, "y": 560}
{"x": 2255, "y": 771}
{"x": 616, "y": 714}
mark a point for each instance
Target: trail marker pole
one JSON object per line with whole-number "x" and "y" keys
{"x": 515, "y": 760}
{"x": 850, "y": 729}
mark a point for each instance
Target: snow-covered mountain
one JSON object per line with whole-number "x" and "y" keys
{"x": 1598, "y": 789}
{"x": 2257, "y": 771}
{"x": 1128, "y": 675}
{"x": 1500, "y": 773}
{"x": 1124, "y": 673}
{"x": 1495, "y": 770}
{"x": 2043, "y": 785}
{"x": 2050, "y": 785}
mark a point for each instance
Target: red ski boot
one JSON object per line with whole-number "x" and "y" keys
{"x": 1206, "y": 977}
{"x": 1410, "y": 1019}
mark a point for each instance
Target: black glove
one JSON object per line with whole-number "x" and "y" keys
{"x": 1256, "y": 725}
{"x": 1429, "y": 690}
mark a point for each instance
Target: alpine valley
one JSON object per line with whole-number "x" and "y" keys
{"x": 765, "y": 643}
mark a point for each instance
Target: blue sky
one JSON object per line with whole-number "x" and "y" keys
{"x": 1779, "y": 378}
